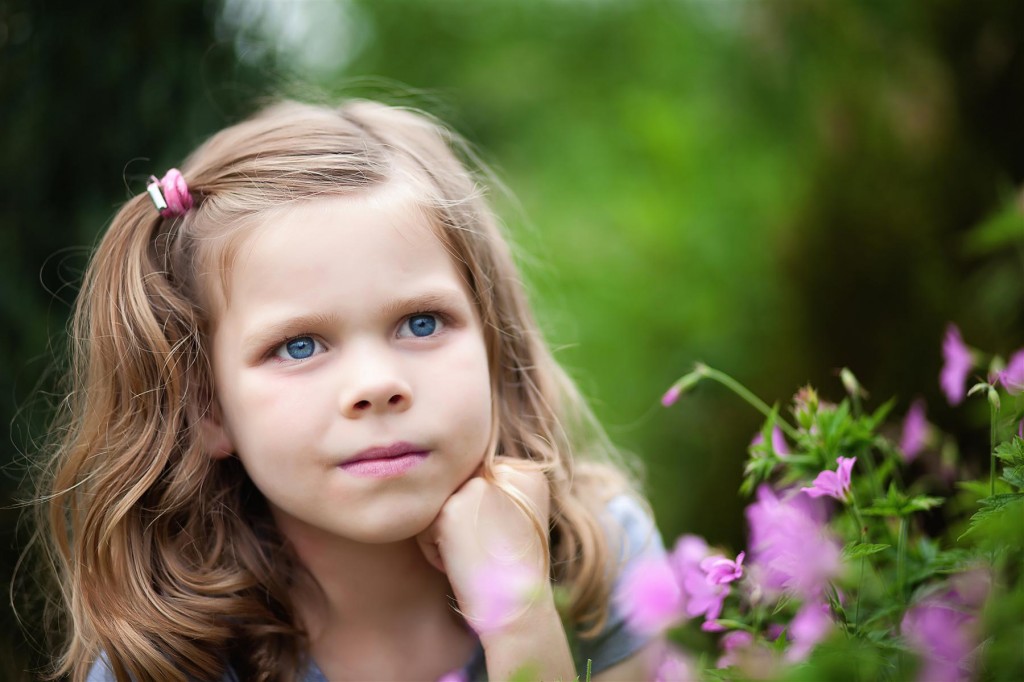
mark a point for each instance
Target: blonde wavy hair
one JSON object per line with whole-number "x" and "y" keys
{"x": 167, "y": 560}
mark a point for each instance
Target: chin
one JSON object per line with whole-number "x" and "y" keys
{"x": 396, "y": 526}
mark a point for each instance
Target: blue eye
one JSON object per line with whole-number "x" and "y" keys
{"x": 420, "y": 325}
{"x": 299, "y": 348}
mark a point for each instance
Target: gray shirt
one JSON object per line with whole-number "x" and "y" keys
{"x": 638, "y": 538}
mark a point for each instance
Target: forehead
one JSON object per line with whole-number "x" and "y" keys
{"x": 364, "y": 240}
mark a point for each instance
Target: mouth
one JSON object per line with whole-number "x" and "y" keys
{"x": 384, "y": 462}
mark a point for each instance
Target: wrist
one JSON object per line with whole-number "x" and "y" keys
{"x": 538, "y": 611}
{"x": 533, "y": 641}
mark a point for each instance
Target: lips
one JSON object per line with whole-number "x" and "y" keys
{"x": 392, "y": 451}
{"x": 385, "y": 462}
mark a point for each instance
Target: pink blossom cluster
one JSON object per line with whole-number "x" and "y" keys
{"x": 791, "y": 553}
{"x": 942, "y": 627}
{"x": 660, "y": 592}
{"x": 792, "y": 550}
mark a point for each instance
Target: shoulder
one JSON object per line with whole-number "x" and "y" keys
{"x": 632, "y": 537}
{"x": 100, "y": 671}
{"x": 631, "y": 531}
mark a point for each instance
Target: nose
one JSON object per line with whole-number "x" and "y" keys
{"x": 374, "y": 385}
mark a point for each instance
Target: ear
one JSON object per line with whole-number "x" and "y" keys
{"x": 216, "y": 439}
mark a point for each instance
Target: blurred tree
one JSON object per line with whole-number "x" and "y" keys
{"x": 95, "y": 97}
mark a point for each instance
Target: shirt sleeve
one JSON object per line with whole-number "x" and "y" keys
{"x": 100, "y": 671}
{"x": 632, "y": 536}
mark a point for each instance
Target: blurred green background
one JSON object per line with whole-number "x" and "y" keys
{"x": 776, "y": 188}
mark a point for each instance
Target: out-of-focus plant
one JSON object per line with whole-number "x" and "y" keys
{"x": 863, "y": 561}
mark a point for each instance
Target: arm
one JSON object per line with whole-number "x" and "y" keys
{"x": 536, "y": 642}
{"x": 486, "y": 545}
{"x": 640, "y": 667}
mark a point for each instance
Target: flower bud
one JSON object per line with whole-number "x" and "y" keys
{"x": 851, "y": 384}
{"x": 993, "y": 397}
{"x": 683, "y": 385}
{"x": 805, "y": 406}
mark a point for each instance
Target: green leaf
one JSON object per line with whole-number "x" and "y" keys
{"x": 998, "y": 231}
{"x": 991, "y": 507}
{"x": 895, "y": 503}
{"x": 855, "y": 550}
{"x": 979, "y": 488}
{"x": 879, "y": 415}
{"x": 1014, "y": 476}
{"x": 1011, "y": 452}
{"x": 921, "y": 503}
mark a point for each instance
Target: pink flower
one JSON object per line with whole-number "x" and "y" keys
{"x": 957, "y": 364}
{"x": 499, "y": 592}
{"x": 942, "y": 626}
{"x": 720, "y": 570}
{"x": 733, "y": 643}
{"x": 1012, "y": 378}
{"x": 455, "y": 676}
{"x": 651, "y": 598}
{"x": 779, "y": 444}
{"x": 790, "y": 545}
{"x": 686, "y": 556}
{"x": 833, "y": 483}
{"x": 701, "y": 596}
{"x": 704, "y": 598}
{"x": 941, "y": 634}
{"x": 810, "y": 625}
{"x": 915, "y": 431}
{"x": 674, "y": 666}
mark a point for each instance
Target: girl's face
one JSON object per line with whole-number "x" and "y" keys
{"x": 347, "y": 332}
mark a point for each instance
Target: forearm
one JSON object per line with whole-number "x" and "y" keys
{"x": 534, "y": 642}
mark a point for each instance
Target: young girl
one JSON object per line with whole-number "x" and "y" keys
{"x": 312, "y": 427}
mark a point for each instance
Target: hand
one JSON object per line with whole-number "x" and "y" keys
{"x": 480, "y": 530}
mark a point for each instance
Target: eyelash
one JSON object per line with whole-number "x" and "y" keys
{"x": 444, "y": 318}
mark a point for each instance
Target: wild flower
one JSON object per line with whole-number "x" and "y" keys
{"x": 652, "y": 600}
{"x": 957, "y": 364}
{"x": 811, "y": 624}
{"x": 833, "y": 483}
{"x": 790, "y": 544}
{"x": 915, "y": 431}
{"x": 1012, "y": 377}
{"x": 720, "y": 571}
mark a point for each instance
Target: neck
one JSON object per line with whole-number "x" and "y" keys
{"x": 385, "y": 588}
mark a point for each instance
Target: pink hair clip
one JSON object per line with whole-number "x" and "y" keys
{"x": 170, "y": 194}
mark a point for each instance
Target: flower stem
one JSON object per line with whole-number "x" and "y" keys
{"x": 901, "y": 560}
{"x": 743, "y": 392}
{"x": 862, "y": 532}
{"x": 993, "y": 418}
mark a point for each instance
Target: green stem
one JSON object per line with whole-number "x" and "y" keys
{"x": 862, "y": 531}
{"x": 901, "y": 560}
{"x": 867, "y": 457}
{"x": 743, "y": 392}
{"x": 993, "y": 418}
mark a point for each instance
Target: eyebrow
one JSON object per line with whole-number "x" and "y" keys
{"x": 266, "y": 334}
